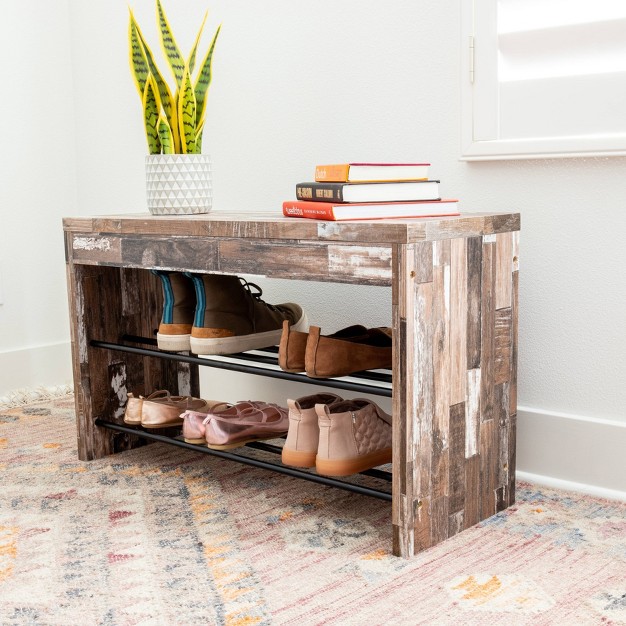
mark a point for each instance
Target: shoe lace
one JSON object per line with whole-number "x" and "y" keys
{"x": 256, "y": 294}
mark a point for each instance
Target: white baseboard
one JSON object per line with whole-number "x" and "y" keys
{"x": 567, "y": 485}
{"x": 573, "y": 452}
{"x": 47, "y": 365}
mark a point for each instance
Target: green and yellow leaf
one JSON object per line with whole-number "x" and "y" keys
{"x": 138, "y": 62}
{"x": 187, "y": 114}
{"x": 170, "y": 47}
{"x": 167, "y": 101}
{"x": 199, "y": 130}
{"x": 204, "y": 79}
{"x": 192, "y": 57}
{"x": 151, "y": 115}
{"x": 165, "y": 136}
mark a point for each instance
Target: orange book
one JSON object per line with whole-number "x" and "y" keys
{"x": 369, "y": 210}
{"x": 371, "y": 172}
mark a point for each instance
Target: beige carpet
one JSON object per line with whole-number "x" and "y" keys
{"x": 167, "y": 536}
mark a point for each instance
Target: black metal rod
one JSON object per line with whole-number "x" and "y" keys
{"x": 323, "y": 480}
{"x": 269, "y": 360}
{"x": 138, "y": 339}
{"x": 247, "y": 369}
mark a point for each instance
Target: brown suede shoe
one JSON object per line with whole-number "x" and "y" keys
{"x": 292, "y": 349}
{"x": 300, "y": 449}
{"x": 231, "y": 316}
{"x": 326, "y": 356}
{"x": 179, "y": 306}
{"x": 267, "y": 421}
{"x": 355, "y": 435}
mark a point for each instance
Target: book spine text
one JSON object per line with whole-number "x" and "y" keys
{"x": 337, "y": 173}
{"x": 293, "y": 208}
{"x": 320, "y": 192}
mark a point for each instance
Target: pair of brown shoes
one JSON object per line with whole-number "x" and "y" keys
{"x": 349, "y": 350}
{"x": 338, "y": 437}
{"x": 226, "y": 426}
{"x": 220, "y": 314}
{"x": 161, "y": 410}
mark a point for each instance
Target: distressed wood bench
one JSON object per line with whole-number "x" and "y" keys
{"x": 454, "y": 284}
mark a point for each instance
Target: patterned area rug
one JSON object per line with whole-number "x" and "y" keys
{"x": 166, "y": 536}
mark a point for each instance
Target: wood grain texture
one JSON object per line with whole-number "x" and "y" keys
{"x": 489, "y": 467}
{"x": 504, "y": 269}
{"x": 458, "y": 320}
{"x": 456, "y": 475}
{"x": 474, "y": 295}
{"x": 440, "y": 448}
{"x": 319, "y": 261}
{"x": 487, "y": 328}
{"x": 453, "y": 360}
{"x": 504, "y": 426}
{"x": 250, "y": 224}
{"x": 91, "y": 367}
{"x": 405, "y": 432}
{"x": 512, "y": 464}
{"x": 420, "y": 336}
{"x": 280, "y": 259}
{"x": 503, "y": 344}
{"x": 106, "y": 303}
{"x": 366, "y": 264}
{"x": 472, "y": 412}
{"x": 454, "y": 348}
{"x": 473, "y": 496}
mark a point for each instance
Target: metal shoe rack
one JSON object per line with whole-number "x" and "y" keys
{"x": 260, "y": 363}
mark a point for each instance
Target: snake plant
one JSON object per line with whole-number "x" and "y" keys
{"x": 173, "y": 123}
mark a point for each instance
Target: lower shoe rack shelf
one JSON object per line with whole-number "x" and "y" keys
{"x": 260, "y": 363}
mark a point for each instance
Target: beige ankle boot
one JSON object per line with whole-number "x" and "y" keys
{"x": 300, "y": 449}
{"x": 355, "y": 435}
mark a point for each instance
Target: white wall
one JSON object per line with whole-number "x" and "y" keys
{"x": 38, "y": 187}
{"x": 300, "y": 83}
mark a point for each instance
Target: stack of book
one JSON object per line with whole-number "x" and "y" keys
{"x": 363, "y": 191}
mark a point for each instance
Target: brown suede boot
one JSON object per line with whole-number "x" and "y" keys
{"x": 179, "y": 306}
{"x": 329, "y": 356}
{"x": 355, "y": 435}
{"x": 292, "y": 349}
{"x": 231, "y": 317}
{"x": 300, "y": 449}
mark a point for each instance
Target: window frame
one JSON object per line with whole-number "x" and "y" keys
{"x": 479, "y": 102}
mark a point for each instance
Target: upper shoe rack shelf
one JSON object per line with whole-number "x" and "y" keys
{"x": 454, "y": 285}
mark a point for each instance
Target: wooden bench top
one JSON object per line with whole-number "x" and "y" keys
{"x": 266, "y": 225}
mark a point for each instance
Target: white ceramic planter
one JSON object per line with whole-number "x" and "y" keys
{"x": 179, "y": 184}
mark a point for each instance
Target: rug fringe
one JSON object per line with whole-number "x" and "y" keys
{"x": 20, "y": 397}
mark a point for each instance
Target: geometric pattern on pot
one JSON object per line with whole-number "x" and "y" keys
{"x": 179, "y": 184}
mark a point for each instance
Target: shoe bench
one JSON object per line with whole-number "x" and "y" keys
{"x": 454, "y": 285}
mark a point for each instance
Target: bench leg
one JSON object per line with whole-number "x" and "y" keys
{"x": 106, "y": 303}
{"x": 454, "y": 395}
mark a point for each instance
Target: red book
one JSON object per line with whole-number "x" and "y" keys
{"x": 369, "y": 210}
{"x": 348, "y": 172}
